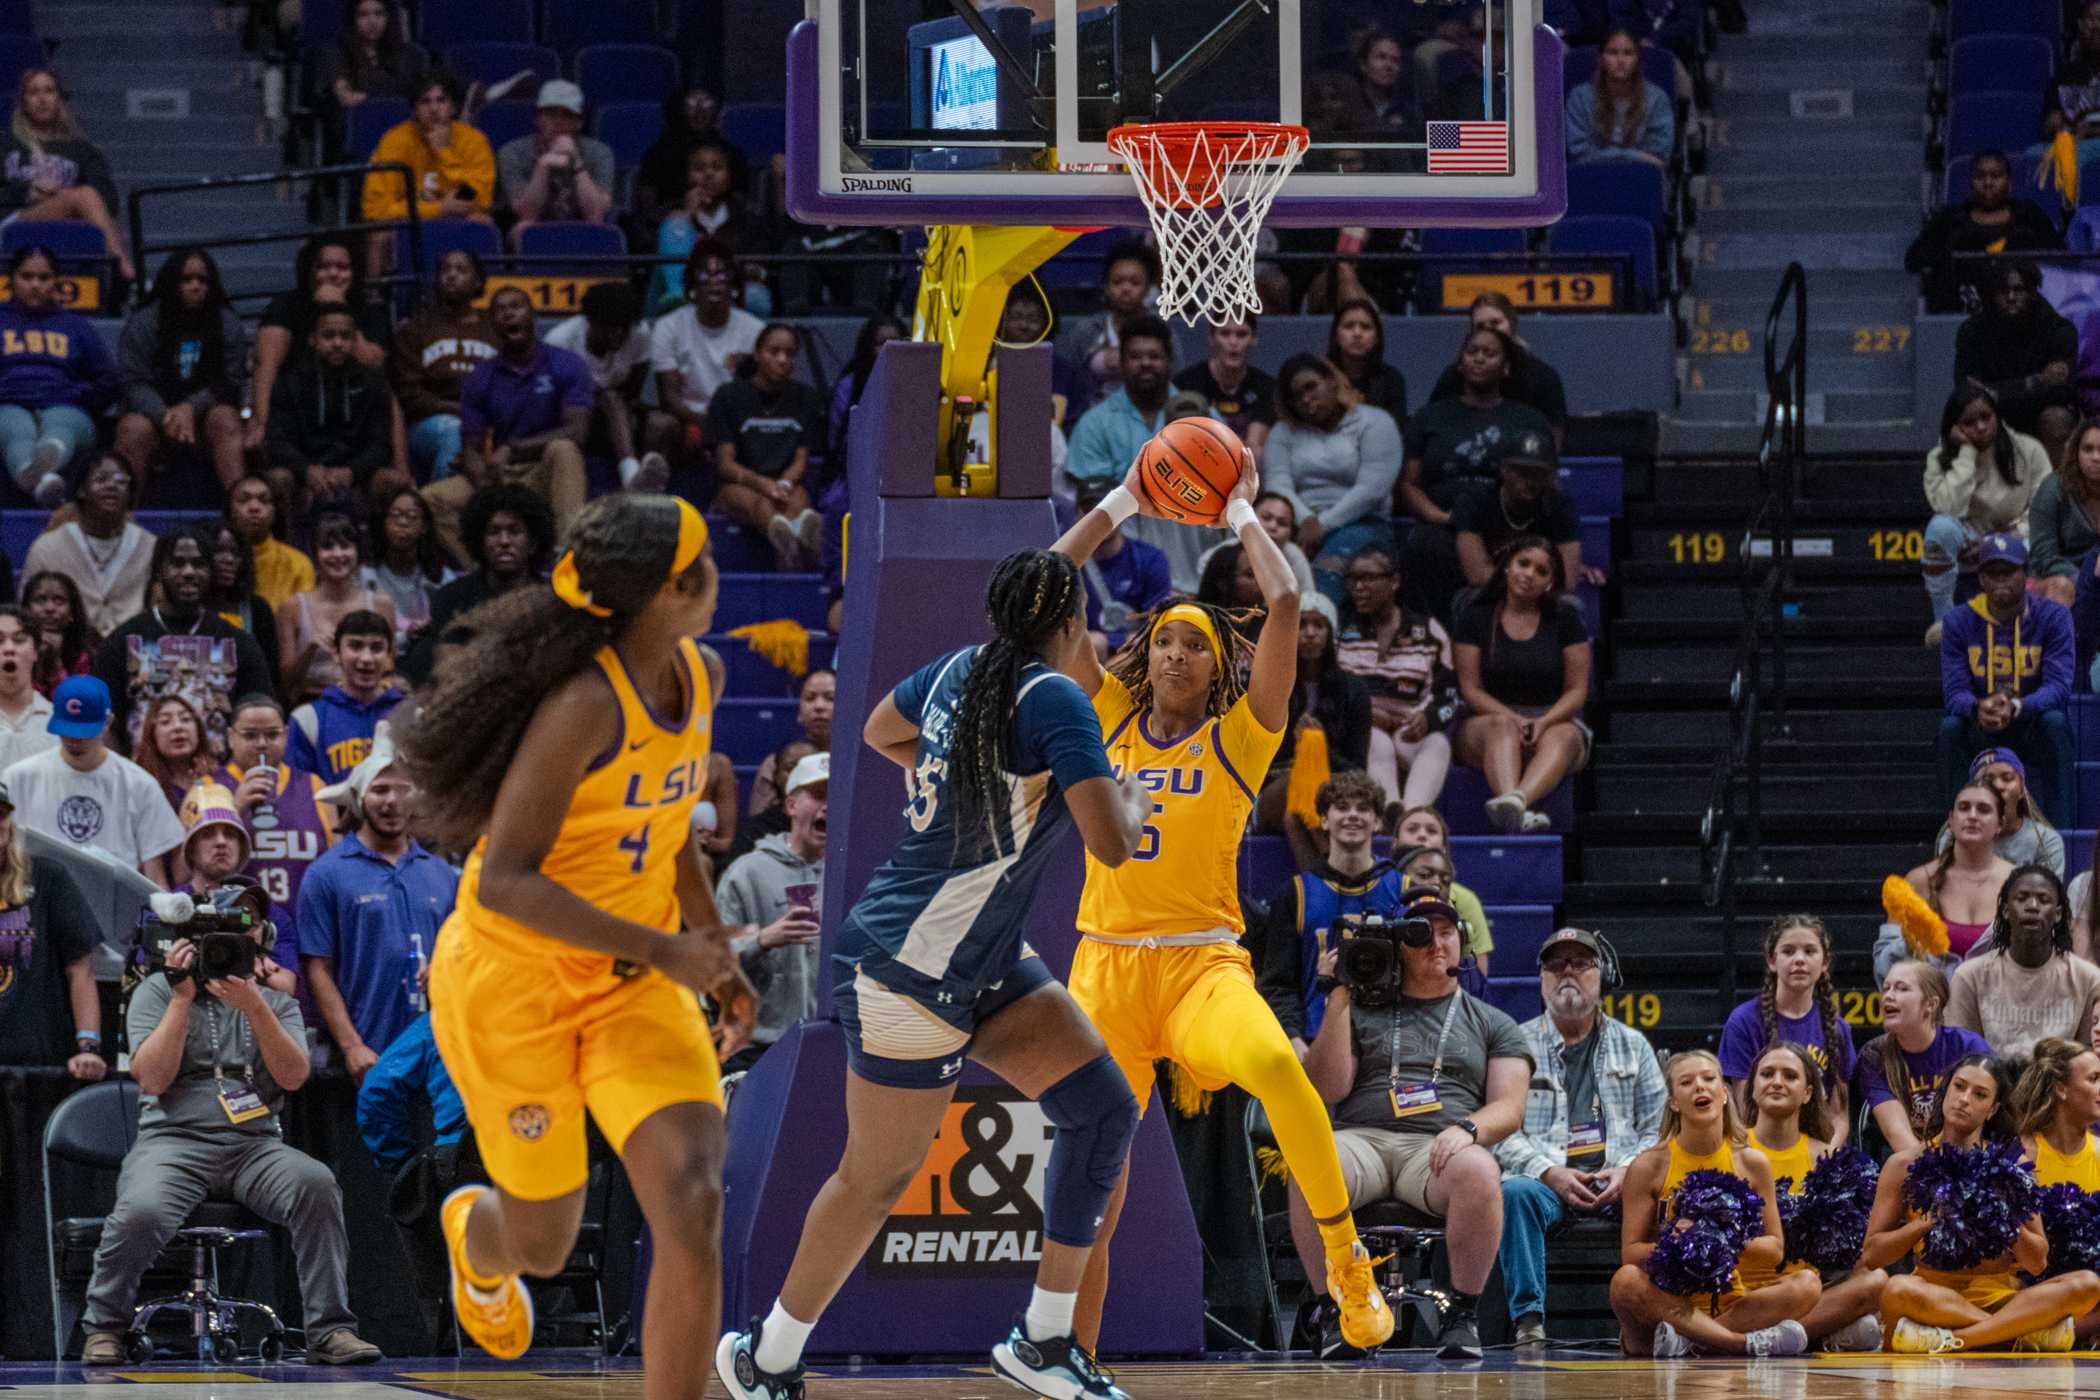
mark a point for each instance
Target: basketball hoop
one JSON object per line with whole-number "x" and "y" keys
{"x": 1207, "y": 187}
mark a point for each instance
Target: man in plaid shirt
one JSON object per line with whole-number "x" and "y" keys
{"x": 1595, "y": 1103}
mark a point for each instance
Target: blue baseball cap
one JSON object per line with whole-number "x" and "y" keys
{"x": 2003, "y": 548}
{"x": 79, "y": 708}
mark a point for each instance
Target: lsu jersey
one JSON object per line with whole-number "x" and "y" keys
{"x": 627, "y": 821}
{"x": 1183, "y": 877}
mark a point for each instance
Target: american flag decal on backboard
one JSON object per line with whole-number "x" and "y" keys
{"x": 1469, "y": 148}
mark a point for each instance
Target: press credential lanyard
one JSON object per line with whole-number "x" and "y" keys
{"x": 237, "y": 1096}
{"x": 1412, "y": 1099}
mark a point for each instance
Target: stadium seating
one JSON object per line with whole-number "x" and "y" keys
{"x": 758, "y": 129}
{"x": 1999, "y": 63}
{"x": 1634, "y": 189}
{"x": 505, "y": 121}
{"x": 626, "y": 73}
{"x": 443, "y": 23}
{"x": 630, "y": 129}
{"x": 369, "y": 121}
{"x": 2042, "y": 18}
{"x": 63, "y": 237}
{"x": 17, "y": 52}
{"x": 1983, "y": 121}
{"x": 583, "y": 242}
{"x": 1615, "y": 236}
{"x": 493, "y": 61}
{"x": 441, "y": 236}
{"x": 1657, "y": 66}
{"x": 1455, "y": 242}
{"x": 570, "y": 24}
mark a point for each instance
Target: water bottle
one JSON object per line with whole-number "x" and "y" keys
{"x": 263, "y": 816}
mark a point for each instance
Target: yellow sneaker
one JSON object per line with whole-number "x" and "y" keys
{"x": 2058, "y": 1336}
{"x": 1366, "y": 1320}
{"x": 500, "y": 1320}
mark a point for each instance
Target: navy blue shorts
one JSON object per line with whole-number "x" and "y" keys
{"x": 901, "y": 1042}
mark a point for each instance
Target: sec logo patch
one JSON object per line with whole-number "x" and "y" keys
{"x": 529, "y": 1121}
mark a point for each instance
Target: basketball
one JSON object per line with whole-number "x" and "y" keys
{"x": 1189, "y": 468}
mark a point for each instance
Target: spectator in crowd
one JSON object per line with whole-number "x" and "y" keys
{"x": 765, "y": 424}
{"x": 1418, "y": 1111}
{"x": 307, "y": 629}
{"x": 2005, "y": 673}
{"x": 1595, "y": 1103}
{"x": 452, "y": 171}
{"x": 773, "y": 896}
{"x": 372, "y": 56}
{"x": 1989, "y": 220}
{"x": 1664, "y": 24}
{"x": 768, "y": 817}
{"x": 172, "y": 750}
{"x": 1242, "y": 397}
{"x": 1335, "y": 458}
{"x": 230, "y": 593}
{"x": 331, "y": 421}
{"x": 1327, "y": 698}
{"x": 2077, "y": 70}
{"x": 1962, "y": 882}
{"x": 2024, "y": 985}
{"x": 510, "y": 539}
{"x": 84, "y": 795}
{"x": 613, "y": 342}
{"x": 183, "y": 362}
{"x": 695, "y": 349}
{"x": 47, "y": 931}
{"x": 434, "y": 352}
{"x": 1979, "y": 480}
{"x": 1525, "y": 500}
{"x": 1701, "y": 1131}
{"x": 1380, "y": 102}
{"x": 1306, "y": 918}
{"x": 65, "y": 644}
{"x": 1798, "y": 1006}
{"x": 1405, "y": 659}
{"x": 52, "y": 171}
{"x": 1356, "y": 347}
{"x": 1579, "y": 22}
{"x": 715, "y": 814}
{"x": 1618, "y": 114}
{"x": 369, "y": 914}
{"x": 1092, "y": 344}
{"x": 2024, "y": 835}
{"x": 2019, "y": 348}
{"x": 332, "y": 733}
{"x": 1530, "y": 380}
{"x": 326, "y": 274}
{"x": 213, "y": 1070}
{"x": 2062, "y": 516}
{"x": 101, "y": 551}
{"x": 403, "y": 563}
{"x": 1125, "y": 579}
{"x": 661, "y": 183}
{"x": 1451, "y": 442}
{"x": 875, "y": 332}
{"x": 1430, "y": 868}
{"x": 557, "y": 174}
{"x": 1424, "y": 828}
{"x": 1279, "y": 519}
{"x": 713, "y": 206}
{"x": 816, "y": 698}
{"x": 281, "y": 571}
{"x": 55, "y": 374}
{"x": 1228, "y": 582}
{"x": 25, "y": 715}
{"x": 1903, "y": 1070}
{"x": 523, "y": 418}
{"x": 1523, "y": 656}
{"x": 177, "y": 648}
{"x": 288, "y": 824}
{"x": 2085, "y": 917}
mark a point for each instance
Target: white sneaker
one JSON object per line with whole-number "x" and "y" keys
{"x": 1506, "y": 813}
{"x": 2058, "y": 1336}
{"x": 809, "y": 530}
{"x": 1862, "y": 1335}
{"x": 787, "y": 545}
{"x": 1917, "y": 1339}
{"x": 1788, "y": 1338}
{"x": 1669, "y": 1344}
{"x": 1932, "y": 635}
{"x": 651, "y": 473}
{"x": 1536, "y": 823}
{"x": 49, "y": 491}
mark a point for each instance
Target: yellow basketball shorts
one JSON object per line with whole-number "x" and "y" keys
{"x": 529, "y": 1054}
{"x": 1185, "y": 1004}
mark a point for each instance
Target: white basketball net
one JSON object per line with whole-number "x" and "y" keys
{"x": 1207, "y": 187}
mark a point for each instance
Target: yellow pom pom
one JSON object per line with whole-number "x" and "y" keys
{"x": 782, "y": 641}
{"x": 1310, "y": 767}
{"x": 1191, "y": 1099}
{"x": 1924, "y": 931}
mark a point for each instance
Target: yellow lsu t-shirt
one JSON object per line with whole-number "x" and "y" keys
{"x": 1183, "y": 877}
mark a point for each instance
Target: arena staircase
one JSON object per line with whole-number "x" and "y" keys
{"x": 163, "y": 87}
{"x": 1815, "y": 149}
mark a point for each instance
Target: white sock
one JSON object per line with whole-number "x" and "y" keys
{"x": 1049, "y": 1315}
{"x": 780, "y": 1341}
{"x": 628, "y": 467}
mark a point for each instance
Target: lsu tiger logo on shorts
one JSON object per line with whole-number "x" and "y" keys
{"x": 529, "y": 1121}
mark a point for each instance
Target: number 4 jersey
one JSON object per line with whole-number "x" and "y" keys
{"x": 626, "y": 823}
{"x": 940, "y": 920}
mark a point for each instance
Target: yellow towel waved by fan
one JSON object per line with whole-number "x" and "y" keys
{"x": 1924, "y": 931}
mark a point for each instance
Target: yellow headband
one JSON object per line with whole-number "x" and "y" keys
{"x": 692, "y": 538}
{"x": 1194, "y": 617}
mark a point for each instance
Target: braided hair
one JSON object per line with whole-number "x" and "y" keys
{"x": 1033, "y": 593}
{"x": 1825, "y": 992}
{"x": 1133, "y": 664}
{"x": 2059, "y": 935}
{"x": 526, "y": 644}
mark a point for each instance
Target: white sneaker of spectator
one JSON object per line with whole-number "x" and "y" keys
{"x": 650, "y": 473}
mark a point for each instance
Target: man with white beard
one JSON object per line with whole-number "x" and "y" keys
{"x": 1595, "y": 1103}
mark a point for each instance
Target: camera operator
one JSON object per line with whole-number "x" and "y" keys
{"x": 1424, "y": 1079}
{"x": 1595, "y": 1104}
{"x": 213, "y": 1069}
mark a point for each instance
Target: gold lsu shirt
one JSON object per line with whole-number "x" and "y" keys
{"x": 1184, "y": 876}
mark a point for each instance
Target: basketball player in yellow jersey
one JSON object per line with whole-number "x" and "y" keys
{"x": 568, "y": 743}
{"x": 1160, "y": 970}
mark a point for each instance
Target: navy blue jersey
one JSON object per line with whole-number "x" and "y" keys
{"x": 941, "y": 922}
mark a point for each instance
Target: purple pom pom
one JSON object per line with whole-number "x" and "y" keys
{"x": 2071, "y": 1219}
{"x": 1712, "y": 1216}
{"x": 1978, "y": 1198}
{"x": 1827, "y": 1225}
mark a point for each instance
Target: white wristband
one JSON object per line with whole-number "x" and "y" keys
{"x": 1119, "y": 505}
{"x": 1239, "y": 515}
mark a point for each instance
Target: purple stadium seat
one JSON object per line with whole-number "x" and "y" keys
{"x": 2044, "y": 18}
{"x": 1999, "y": 63}
{"x": 1468, "y": 242}
{"x": 585, "y": 243}
{"x": 626, "y": 73}
{"x": 64, "y": 237}
{"x": 1635, "y": 189}
{"x": 441, "y": 236}
{"x": 570, "y": 24}
{"x": 758, "y": 129}
{"x": 443, "y": 23}
{"x": 1611, "y": 235}
{"x": 492, "y": 61}
{"x": 630, "y": 128}
{"x": 505, "y": 121}
{"x": 368, "y": 121}
{"x": 1982, "y": 121}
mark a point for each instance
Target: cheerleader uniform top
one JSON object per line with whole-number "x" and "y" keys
{"x": 1683, "y": 1164}
{"x": 1789, "y": 1172}
{"x": 2080, "y": 1168}
{"x": 1986, "y": 1286}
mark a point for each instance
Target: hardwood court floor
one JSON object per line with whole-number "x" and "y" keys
{"x": 1553, "y": 1376}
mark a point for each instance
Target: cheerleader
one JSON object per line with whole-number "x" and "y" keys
{"x": 1932, "y": 1311}
{"x": 1792, "y": 1129}
{"x": 2054, "y": 1106}
{"x": 1700, "y": 1132}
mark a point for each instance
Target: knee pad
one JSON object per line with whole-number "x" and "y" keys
{"x": 1096, "y": 1116}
